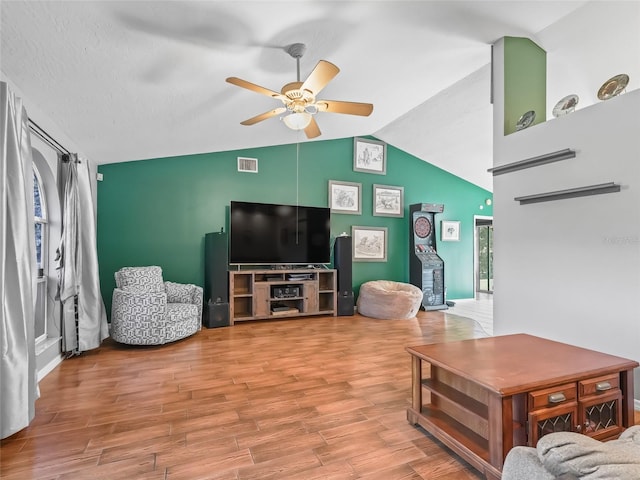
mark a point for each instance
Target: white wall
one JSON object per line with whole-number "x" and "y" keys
{"x": 569, "y": 270}
{"x": 39, "y": 117}
{"x": 589, "y": 46}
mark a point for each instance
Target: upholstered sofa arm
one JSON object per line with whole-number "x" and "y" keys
{"x": 138, "y": 318}
{"x": 185, "y": 293}
{"x": 632, "y": 434}
{"x": 196, "y": 299}
{"x": 573, "y": 456}
{"x": 566, "y": 453}
{"x": 522, "y": 463}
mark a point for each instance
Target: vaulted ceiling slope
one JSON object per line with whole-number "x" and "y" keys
{"x": 129, "y": 80}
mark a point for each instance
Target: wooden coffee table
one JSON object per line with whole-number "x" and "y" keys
{"x": 484, "y": 396}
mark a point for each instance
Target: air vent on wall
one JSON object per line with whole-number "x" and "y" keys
{"x": 247, "y": 164}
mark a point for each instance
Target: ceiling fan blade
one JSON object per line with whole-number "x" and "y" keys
{"x": 322, "y": 74}
{"x": 256, "y": 88}
{"x": 350, "y": 108}
{"x": 312, "y": 130}
{"x": 264, "y": 116}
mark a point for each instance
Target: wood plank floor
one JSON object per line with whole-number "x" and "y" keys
{"x": 313, "y": 398}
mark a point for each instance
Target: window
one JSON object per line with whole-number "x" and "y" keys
{"x": 41, "y": 240}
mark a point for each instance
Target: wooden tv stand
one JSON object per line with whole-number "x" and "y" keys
{"x": 270, "y": 294}
{"x": 484, "y": 396}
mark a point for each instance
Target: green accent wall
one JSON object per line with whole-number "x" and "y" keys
{"x": 525, "y": 81}
{"x": 156, "y": 212}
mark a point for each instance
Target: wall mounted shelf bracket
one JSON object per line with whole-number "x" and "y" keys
{"x": 599, "y": 189}
{"x": 533, "y": 161}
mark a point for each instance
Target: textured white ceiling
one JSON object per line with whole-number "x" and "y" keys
{"x": 144, "y": 79}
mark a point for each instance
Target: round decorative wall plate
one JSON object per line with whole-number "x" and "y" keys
{"x": 565, "y": 105}
{"x": 422, "y": 227}
{"x": 525, "y": 120}
{"x": 613, "y": 87}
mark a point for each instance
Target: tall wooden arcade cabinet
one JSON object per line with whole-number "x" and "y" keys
{"x": 426, "y": 268}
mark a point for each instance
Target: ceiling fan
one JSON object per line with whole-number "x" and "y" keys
{"x": 299, "y": 98}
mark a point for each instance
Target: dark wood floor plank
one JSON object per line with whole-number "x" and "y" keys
{"x": 204, "y": 460}
{"x": 380, "y": 459}
{"x": 124, "y": 469}
{"x": 397, "y": 472}
{"x": 159, "y": 431}
{"x": 346, "y": 448}
{"x": 351, "y": 430}
{"x": 334, "y": 471}
{"x": 281, "y": 467}
{"x": 52, "y": 467}
{"x": 288, "y": 446}
{"x": 138, "y": 449}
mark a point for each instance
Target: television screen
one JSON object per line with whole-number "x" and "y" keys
{"x": 267, "y": 234}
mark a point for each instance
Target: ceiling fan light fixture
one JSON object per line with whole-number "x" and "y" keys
{"x": 297, "y": 120}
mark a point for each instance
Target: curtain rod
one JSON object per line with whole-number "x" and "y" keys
{"x": 52, "y": 142}
{"x": 66, "y": 157}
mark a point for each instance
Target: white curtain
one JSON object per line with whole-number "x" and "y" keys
{"x": 18, "y": 378}
{"x": 84, "y": 319}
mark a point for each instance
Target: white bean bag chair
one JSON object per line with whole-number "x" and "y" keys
{"x": 389, "y": 300}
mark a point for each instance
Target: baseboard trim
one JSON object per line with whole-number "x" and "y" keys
{"x": 49, "y": 367}
{"x": 636, "y": 405}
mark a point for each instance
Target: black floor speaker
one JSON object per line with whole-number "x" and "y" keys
{"x": 345, "y": 304}
{"x": 216, "y": 279}
{"x": 342, "y": 262}
{"x": 216, "y": 315}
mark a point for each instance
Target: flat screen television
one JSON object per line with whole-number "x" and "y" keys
{"x": 270, "y": 234}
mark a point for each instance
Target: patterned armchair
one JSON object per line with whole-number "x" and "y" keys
{"x": 148, "y": 311}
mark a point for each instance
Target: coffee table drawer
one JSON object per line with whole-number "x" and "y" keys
{"x": 553, "y": 396}
{"x": 599, "y": 385}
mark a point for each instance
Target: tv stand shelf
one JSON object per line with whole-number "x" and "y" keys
{"x": 269, "y": 294}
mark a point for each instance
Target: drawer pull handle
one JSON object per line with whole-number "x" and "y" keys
{"x": 557, "y": 397}
{"x": 603, "y": 386}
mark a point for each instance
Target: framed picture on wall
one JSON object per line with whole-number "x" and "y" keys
{"x": 369, "y": 156}
{"x": 369, "y": 244}
{"x": 388, "y": 201}
{"x": 449, "y": 231}
{"x": 345, "y": 197}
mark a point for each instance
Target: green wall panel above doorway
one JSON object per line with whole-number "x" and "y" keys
{"x": 525, "y": 81}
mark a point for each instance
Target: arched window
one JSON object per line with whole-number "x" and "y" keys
{"x": 42, "y": 249}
